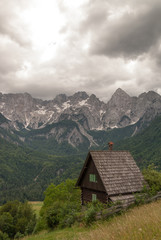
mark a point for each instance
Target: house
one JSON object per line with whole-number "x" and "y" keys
{"x": 109, "y": 176}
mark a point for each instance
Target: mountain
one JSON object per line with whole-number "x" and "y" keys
{"x": 47, "y": 141}
{"x": 25, "y": 173}
{"x": 145, "y": 146}
{"x": 75, "y": 120}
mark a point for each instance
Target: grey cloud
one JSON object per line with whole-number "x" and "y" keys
{"x": 95, "y": 16}
{"x": 10, "y": 58}
{"x": 130, "y": 36}
{"x": 11, "y": 24}
{"x": 74, "y": 68}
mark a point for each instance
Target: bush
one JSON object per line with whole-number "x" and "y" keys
{"x": 19, "y": 235}
{"x": 7, "y": 224}
{"x": 61, "y": 204}
{"x": 153, "y": 178}
{"x": 40, "y": 225}
{"x": 3, "y": 236}
{"x": 90, "y": 215}
{"x": 92, "y": 209}
{"x": 17, "y": 217}
{"x": 68, "y": 214}
{"x": 62, "y": 214}
{"x": 53, "y": 215}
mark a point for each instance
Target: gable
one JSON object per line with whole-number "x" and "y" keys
{"x": 89, "y": 175}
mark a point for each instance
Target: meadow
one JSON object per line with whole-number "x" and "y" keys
{"x": 138, "y": 223}
{"x": 36, "y": 205}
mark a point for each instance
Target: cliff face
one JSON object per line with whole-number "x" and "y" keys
{"x": 85, "y": 112}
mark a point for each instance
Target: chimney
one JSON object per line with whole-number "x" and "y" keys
{"x": 110, "y": 145}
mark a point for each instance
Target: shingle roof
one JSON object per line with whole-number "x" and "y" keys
{"x": 118, "y": 171}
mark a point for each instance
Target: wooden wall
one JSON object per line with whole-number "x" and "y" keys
{"x": 85, "y": 183}
{"x": 89, "y": 188}
{"x": 87, "y": 196}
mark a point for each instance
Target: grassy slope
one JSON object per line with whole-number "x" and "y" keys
{"x": 139, "y": 223}
{"x": 36, "y": 205}
{"x": 145, "y": 146}
{"x": 25, "y": 173}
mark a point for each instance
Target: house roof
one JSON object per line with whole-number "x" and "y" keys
{"x": 117, "y": 170}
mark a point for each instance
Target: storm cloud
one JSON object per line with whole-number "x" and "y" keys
{"x": 127, "y": 34}
{"x": 51, "y": 47}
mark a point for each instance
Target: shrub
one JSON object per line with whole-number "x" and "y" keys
{"x": 17, "y": 217}
{"x": 90, "y": 215}
{"x": 52, "y": 215}
{"x": 153, "y": 178}
{"x": 68, "y": 214}
{"x": 92, "y": 209}
{"x": 18, "y": 235}
{"x": 4, "y": 236}
{"x": 7, "y": 224}
{"x": 40, "y": 225}
{"x": 61, "y": 204}
{"x": 62, "y": 214}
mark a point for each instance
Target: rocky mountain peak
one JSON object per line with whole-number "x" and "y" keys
{"x": 88, "y": 112}
{"x": 80, "y": 95}
{"x": 120, "y": 98}
{"x": 153, "y": 95}
{"x": 61, "y": 98}
{"x": 120, "y": 93}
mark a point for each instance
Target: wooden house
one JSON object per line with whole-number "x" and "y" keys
{"x": 109, "y": 176}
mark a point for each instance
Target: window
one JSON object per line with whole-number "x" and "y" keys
{"x": 92, "y": 178}
{"x": 94, "y": 197}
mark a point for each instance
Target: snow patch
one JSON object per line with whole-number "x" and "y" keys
{"x": 42, "y": 112}
{"x": 66, "y": 105}
{"x": 83, "y": 102}
{"x": 27, "y": 121}
{"x": 114, "y": 127}
{"x": 57, "y": 108}
{"x": 100, "y": 128}
{"x": 134, "y": 121}
{"x": 128, "y": 111}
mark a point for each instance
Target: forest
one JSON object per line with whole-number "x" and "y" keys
{"x": 62, "y": 208}
{"x": 25, "y": 172}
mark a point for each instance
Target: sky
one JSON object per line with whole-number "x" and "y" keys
{"x": 49, "y": 47}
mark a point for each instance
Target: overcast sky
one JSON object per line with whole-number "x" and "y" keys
{"x": 48, "y": 47}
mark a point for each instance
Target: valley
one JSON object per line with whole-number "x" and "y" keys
{"x": 38, "y": 151}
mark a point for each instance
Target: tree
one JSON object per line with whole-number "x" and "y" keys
{"x": 17, "y": 217}
{"x": 61, "y": 204}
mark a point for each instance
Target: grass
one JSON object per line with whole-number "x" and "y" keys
{"x": 139, "y": 223}
{"x": 36, "y": 206}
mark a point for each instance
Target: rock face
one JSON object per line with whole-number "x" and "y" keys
{"x": 87, "y": 112}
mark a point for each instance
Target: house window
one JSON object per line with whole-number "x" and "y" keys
{"x": 92, "y": 178}
{"x": 94, "y": 197}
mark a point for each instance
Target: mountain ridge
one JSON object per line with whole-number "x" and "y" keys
{"x": 85, "y": 111}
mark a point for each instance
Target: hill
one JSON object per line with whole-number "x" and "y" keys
{"x": 139, "y": 223}
{"x": 145, "y": 146}
{"x": 25, "y": 173}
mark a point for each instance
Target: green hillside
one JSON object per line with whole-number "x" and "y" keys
{"x": 42, "y": 140}
{"x": 145, "y": 146}
{"x": 139, "y": 223}
{"x": 26, "y": 171}
{"x": 25, "y": 174}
